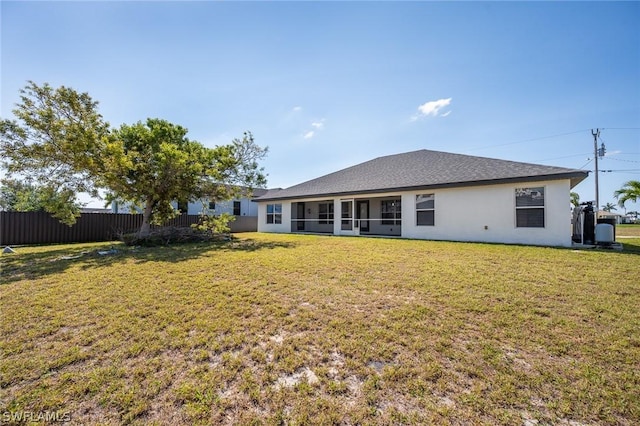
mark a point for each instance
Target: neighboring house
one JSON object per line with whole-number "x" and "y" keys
{"x": 602, "y": 214}
{"x": 237, "y": 207}
{"x": 631, "y": 217}
{"x": 430, "y": 195}
{"x": 95, "y": 210}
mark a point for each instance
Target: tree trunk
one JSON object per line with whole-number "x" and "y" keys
{"x": 145, "y": 229}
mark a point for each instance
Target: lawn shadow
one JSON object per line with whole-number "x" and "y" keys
{"x": 186, "y": 251}
{"x": 28, "y": 266}
{"x": 631, "y": 246}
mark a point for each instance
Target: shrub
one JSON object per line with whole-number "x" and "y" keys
{"x": 172, "y": 235}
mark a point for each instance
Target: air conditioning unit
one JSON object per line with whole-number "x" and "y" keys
{"x": 604, "y": 234}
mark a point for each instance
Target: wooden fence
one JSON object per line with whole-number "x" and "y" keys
{"x": 40, "y": 228}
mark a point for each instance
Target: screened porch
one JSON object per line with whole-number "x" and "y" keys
{"x": 357, "y": 216}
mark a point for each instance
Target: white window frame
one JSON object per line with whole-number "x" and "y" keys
{"x": 428, "y": 197}
{"x": 542, "y": 207}
{"x": 275, "y": 214}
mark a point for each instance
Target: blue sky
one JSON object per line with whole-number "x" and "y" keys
{"x": 331, "y": 84}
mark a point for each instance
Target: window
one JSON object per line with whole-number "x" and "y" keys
{"x": 212, "y": 205}
{"x": 236, "y": 208}
{"x": 425, "y": 209}
{"x": 274, "y": 213}
{"x": 325, "y": 213}
{"x": 391, "y": 212}
{"x": 530, "y": 207}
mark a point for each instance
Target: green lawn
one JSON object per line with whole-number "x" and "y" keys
{"x": 629, "y": 230}
{"x": 286, "y": 329}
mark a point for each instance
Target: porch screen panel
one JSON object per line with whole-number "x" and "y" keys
{"x": 325, "y": 213}
{"x": 347, "y": 215}
{"x": 391, "y": 212}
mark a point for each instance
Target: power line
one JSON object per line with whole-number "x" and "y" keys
{"x": 566, "y": 156}
{"x": 554, "y": 136}
{"x": 621, "y": 128}
{"x": 583, "y": 166}
{"x": 529, "y": 140}
{"x": 622, "y": 159}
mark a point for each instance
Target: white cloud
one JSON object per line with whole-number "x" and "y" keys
{"x": 432, "y": 108}
{"x": 296, "y": 108}
{"x": 316, "y": 126}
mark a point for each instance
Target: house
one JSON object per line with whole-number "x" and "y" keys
{"x": 238, "y": 207}
{"x": 603, "y": 214}
{"x": 430, "y": 195}
{"x": 94, "y": 210}
{"x": 244, "y": 210}
{"x": 631, "y": 217}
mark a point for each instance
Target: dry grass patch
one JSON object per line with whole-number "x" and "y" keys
{"x": 628, "y": 230}
{"x": 285, "y": 329}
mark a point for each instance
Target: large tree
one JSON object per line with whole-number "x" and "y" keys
{"x": 16, "y": 195}
{"x": 60, "y": 142}
{"x": 630, "y": 191}
{"x": 154, "y": 163}
{"x": 56, "y": 142}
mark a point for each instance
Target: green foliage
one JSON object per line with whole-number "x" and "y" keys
{"x": 214, "y": 224}
{"x": 18, "y": 196}
{"x": 630, "y": 191}
{"x": 57, "y": 142}
{"x": 575, "y": 199}
{"x": 154, "y": 163}
{"x": 62, "y": 144}
{"x": 608, "y": 207}
{"x": 25, "y": 197}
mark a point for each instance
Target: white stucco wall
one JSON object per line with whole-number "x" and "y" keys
{"x": 461, "y": 214}
{"x": 285, "y": 226}
{"x": 247, "y": 207}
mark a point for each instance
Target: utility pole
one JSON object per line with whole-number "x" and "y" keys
{"x": 597, "y": 154}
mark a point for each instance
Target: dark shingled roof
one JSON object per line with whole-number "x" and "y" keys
{"x": 259, "y": 192}
{"x": 422, "y": 169}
